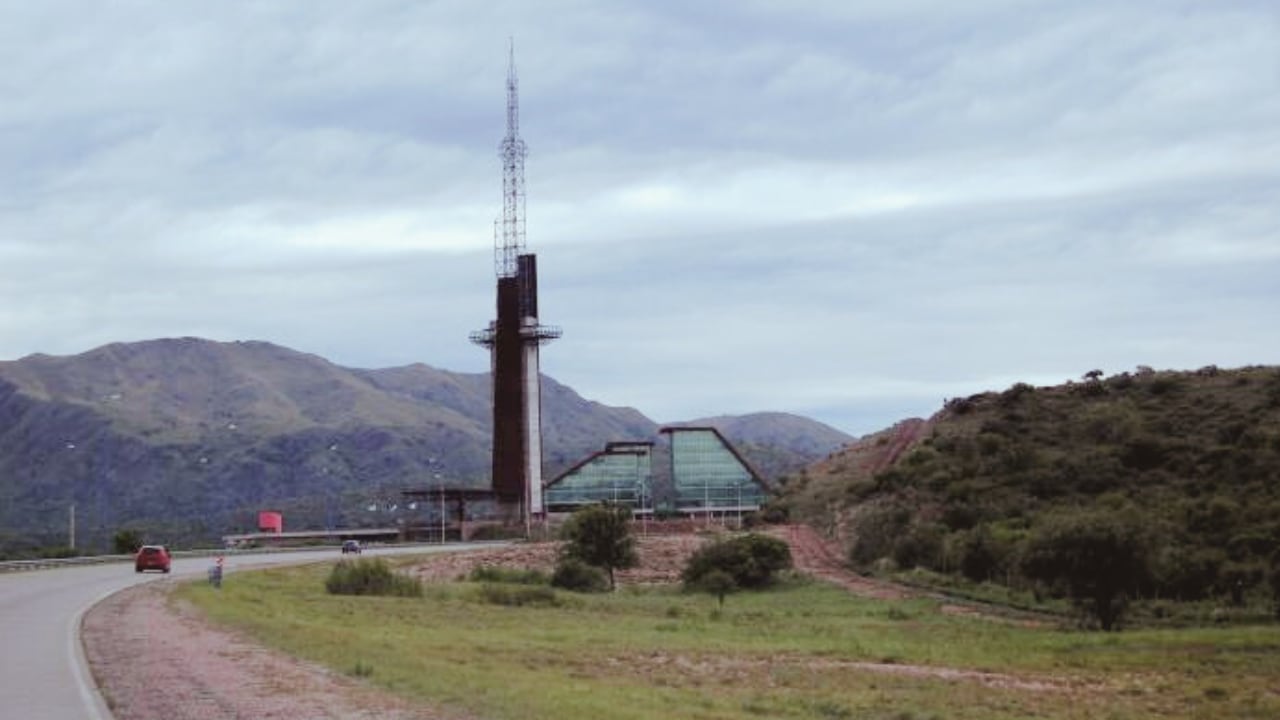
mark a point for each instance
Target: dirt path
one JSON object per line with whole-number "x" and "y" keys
{"x": 815, "y": 556}
{"x": 155, "y": 661}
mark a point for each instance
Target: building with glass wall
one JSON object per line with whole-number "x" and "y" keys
{"x": 708, "y": 474}
{"x": 620, "y": 474}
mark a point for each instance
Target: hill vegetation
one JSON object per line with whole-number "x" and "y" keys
{"x": 1166, "y": 482}
{"x": 183, "y": 440}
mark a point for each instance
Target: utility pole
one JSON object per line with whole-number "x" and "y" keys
{"x": 71, "y": 530}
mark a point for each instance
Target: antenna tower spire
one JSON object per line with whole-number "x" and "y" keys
{"x": 508, "y": 240}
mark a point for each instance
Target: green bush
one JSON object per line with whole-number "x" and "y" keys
{"x": 981, "y": 555}
{"x": 715, "y": 582}
{"x": 600, "y": 535}
{"x": 126, "y": 542}
{"x": 1099, "y": 557}
{"x": 878, "y": 527}
{"x": 751, "y": 560}
{"x": 514, "y": 576}
{"x": 518, "y": 595}
{"x": 921, "y": 546}
{"x": 575, "y": 575}
{"x": 370, "y": 576}
{"x": 57, "y": 552}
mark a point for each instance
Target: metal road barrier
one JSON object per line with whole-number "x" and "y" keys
{"x": 50, "y": 563}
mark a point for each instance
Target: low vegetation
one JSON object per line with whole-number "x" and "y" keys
{"x": 741, "y": 562}
{"x": 577, "y": 576}
{"x": 499, "y": 574}
{"x": 370, "y": 576}
{"x": 600, "y": 536}
{"x": 795, "y": 650}
{"x": 1127, "y": 492}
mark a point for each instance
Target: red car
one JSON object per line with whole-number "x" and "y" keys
{"x": 152, "y": 557}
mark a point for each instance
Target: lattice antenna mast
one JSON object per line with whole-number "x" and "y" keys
{"x": 508, "y": 231}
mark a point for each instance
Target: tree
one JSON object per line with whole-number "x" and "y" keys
{"x": 718, "y": 583}
{"x": 750, "y": 561}
{"x": 127, "y": 541}
{"x": 1098, "y": 557}
{"x": 1274, "y": 578}
{"x": 600, "y": 535}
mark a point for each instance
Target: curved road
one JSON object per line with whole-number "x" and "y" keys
{"x": 43, "y": 673}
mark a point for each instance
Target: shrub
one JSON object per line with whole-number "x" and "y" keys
{"x": 1188, "y": 573}
{"x": 576, "y": 575}
{"x": 750, "y": 560}
{"x": 518, "y": 595}
{"x": 126, "y": 542}
{"x": 1099, "y": 557}
{"x": 600, "y": 535}
{"x": 514, "y": 576}
{"x": 979, "y": 557}
{"x": 715, "y": 582}
{"x": 878, "y": 526}
{"x": 57, "y": 552}
{"x": 921, "y": 546}
{"x": 1015, "y": 393}
{"x": 370, "y": 576}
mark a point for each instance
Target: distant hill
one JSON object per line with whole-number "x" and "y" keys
{"x": 776, "y": 443}
{"x": 1190, "y": 461}
{"x": 187, "y": 438}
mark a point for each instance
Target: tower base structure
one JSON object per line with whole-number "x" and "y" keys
{"x": 513, "y": 340}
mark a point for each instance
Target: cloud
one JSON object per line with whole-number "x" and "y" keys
{"x": 851, "y": 210}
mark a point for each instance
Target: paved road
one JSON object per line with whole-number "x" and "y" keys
{"x": 43, "y": 674}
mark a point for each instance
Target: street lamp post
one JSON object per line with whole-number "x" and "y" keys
{"x": 440, "y": 487}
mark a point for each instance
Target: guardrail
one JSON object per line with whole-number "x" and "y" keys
{"x": 50, "y": 563}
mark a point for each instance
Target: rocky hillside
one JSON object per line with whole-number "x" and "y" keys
{"x": 187, "y": 438}
{"x": 1188, "y": 463}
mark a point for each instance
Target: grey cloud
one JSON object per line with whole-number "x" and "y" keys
{"x": 894, "y": 203}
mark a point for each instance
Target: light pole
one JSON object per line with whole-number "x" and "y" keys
{"x": 440, "y": 487}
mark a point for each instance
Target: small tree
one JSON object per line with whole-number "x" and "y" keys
{"x": 1099, "y": 558}
{"x": 718, "y": 583}
{"x": 750, "y": 561}
{"x": 127, "y": 541}
{"x": 600, "y": 535}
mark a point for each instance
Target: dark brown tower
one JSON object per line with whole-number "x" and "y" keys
{"x": 514, "y": 337}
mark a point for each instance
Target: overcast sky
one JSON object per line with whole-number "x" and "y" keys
{"x": 847, "y": 210}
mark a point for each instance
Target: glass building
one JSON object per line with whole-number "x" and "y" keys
{"x": 709, "y": 475}
{"x": 620, "y": 474}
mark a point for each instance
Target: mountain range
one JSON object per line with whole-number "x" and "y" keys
{"x": 185, "y": 439}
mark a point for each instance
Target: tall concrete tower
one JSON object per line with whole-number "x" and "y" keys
{"x": 514, "y": 337}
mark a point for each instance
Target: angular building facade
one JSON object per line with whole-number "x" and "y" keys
{"x": 622, "y": 474}
{"x": 708, "y": 474}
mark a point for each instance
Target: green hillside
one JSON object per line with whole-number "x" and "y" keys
{"x": 185, "y": 439}
{"x": 1185, "y": 466}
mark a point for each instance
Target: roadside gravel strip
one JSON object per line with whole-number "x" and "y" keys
{"x": 155, "y": 660}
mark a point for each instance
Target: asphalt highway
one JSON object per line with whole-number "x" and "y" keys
{"x": 43, "y": 673}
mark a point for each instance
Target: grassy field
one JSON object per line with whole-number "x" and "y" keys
{"x": 806, "y": 650}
